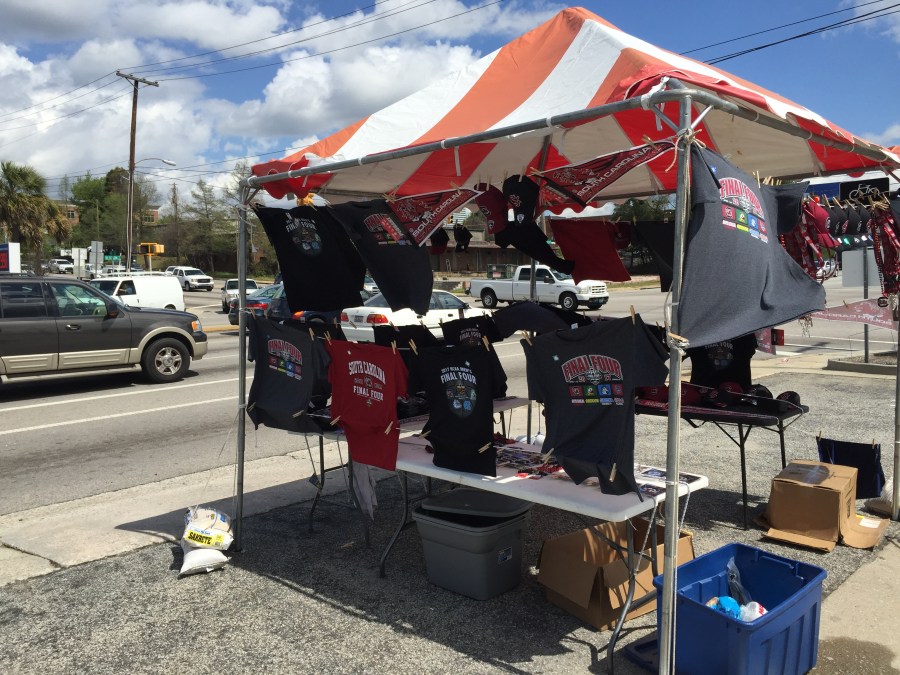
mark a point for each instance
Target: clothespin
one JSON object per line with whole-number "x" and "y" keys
{"x": 350, "y": 322}
{"x": 527, "y": 339}
{"x": 756, "y": 173}
{"x": 631, "y": 309}
{"x": 873, "y": 442}
{"x": 819, "y": 436}
{"x": 546, "y": 456}
{"x": 487, "y": 344}
{"x": 484, "y": 447}
{"x": 522, "y": 173}
{"x": 424, "y": 434}
{"x": 612, "y": 474}
{"x": 335, "y": 420}
{"x": 389, "y": 427}
{"x": 845, "y": 303}
{"x": 311, "y": 334}
{"x": 251, "y": 407}
{"x": 412, "y": 345}
{"x": 327, "y": 337}
{"x": 391, "y": 324}
{"x": 394, "y": 346}
{"x": 298, "y": 413}
{"x": 649, "y": 141}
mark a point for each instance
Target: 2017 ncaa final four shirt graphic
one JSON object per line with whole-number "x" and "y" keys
{"x": 366, "y": 381}
{"x": 585, "y": 377}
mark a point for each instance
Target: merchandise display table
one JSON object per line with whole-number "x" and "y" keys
{"x": 407, "y": 425}
{"x": 739, "y": 419}
{"x": 550, "y": 491}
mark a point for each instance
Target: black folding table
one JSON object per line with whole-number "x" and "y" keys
{"x": 742, "y": 418}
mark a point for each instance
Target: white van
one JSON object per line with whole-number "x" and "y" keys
{"x": 157, "y": 291}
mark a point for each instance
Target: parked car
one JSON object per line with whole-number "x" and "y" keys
{"x": 552, "y": 287}
{"x": 357, "y": 322}
{"x": 193, "y": 279}
{"x": 111, "y": 270}
{"x": 231, "y": 289}
{"x": 279, "y": 310}
{"x": 61, "y": 266}
{"x": 91, "y": 270}
{"x": 143, "y": 290}
{"x": 370, "y": 285}
{"x": 51, "y": 327}
{"x": 256, "y": 302}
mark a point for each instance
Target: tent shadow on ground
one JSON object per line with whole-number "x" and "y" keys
{"x": 333, "y": 566}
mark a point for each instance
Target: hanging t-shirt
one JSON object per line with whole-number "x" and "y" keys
{"x": 320, "y": 268}
{"x": 737, "y": 276}
{"x": 659, "y": 238}
{"x": 590, "y": 245}
{"x": 460, "y": 384}
{"x": 586, "y": 379}
{"x": 401, "y": 269}
{"x": 401, "y": 337}
{"x": 527, "y": 315}
{"x": 724, "y": 361}
{"x": 290, "y": 376}
{"x": 366, "y": 381}
{"x": 523, "y": 233}
{"x": 470, "y": 330}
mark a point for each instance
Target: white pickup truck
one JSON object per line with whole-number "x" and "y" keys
{"x": 551, "y": 287}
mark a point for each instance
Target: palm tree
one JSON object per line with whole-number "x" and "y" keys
{"x": 26, "y": 213}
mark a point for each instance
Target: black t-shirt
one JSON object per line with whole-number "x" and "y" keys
{"x": 724, "y": 361}
{"x": 527, "y": 315}
{"x": 737, "y": 276}
{"x": 470, "y": 330}
{"x": 585, "y": 378}
{"x": 290, "y": 376}
{"x": 320, "y": 268}
{"x": 460, "y": 384}
{"x": 401, "y": 269}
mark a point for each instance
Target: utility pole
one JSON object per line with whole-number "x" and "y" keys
{"x": 177, "y": 225}
{"x": 129, "y": 217}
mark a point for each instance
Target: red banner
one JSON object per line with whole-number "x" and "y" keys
{"x": 583, "y": 182}
{"x": 864, "y": 311}
{"x": 422, "y": 214}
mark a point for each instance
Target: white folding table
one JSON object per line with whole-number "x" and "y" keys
{"x": 587, "y": 500}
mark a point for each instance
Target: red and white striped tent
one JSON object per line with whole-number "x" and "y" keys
{"x": 571, "y": 90}
{"x": 582, "y": 87}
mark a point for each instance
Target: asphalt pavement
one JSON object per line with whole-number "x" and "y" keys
{"x": 93, "y": 585}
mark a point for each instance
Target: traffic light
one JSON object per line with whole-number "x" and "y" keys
{"x": 145, "y": 248}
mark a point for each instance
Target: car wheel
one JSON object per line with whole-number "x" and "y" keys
{"x": 170, "y": 306}
{"x": 225, "y": 308}
{"x": 165, "y": 360}
{"x": 568, "y": 301}
{"x": 488, "y": 298}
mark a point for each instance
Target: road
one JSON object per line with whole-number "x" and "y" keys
{"x": 67, "y": 439}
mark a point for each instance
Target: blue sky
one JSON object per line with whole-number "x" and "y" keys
{"x": 309, "y": 68}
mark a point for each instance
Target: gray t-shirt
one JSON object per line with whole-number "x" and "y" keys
{"x": 737, "y": 276}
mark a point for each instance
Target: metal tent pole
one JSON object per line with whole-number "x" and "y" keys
{"x": 666, "y": 629}
{"x": 895, "y": 503}
{"x": 242, "y": 366}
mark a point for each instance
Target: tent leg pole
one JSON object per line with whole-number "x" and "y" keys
{"x": 666, "y": 629}
{"x": 242, "y": 368}
{"x": 895, "y": 502}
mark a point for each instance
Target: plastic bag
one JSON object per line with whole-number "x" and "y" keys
{"x": 735, "y": 588}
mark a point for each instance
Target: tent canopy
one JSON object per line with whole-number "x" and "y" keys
{"x": 493, "y": 120}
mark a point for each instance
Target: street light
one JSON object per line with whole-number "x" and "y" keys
{"x": 129, "y": 217}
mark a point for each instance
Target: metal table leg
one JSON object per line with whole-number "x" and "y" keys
{"x": 320, "y": 481}
{"x": 632, "y": 584}
{"x": 404, "y": 488}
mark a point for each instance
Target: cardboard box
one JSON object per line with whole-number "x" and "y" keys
{"x": 813, "y": 504}
{"x": 587, "y": 577}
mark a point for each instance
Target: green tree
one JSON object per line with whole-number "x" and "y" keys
{"x": 210, "y": 226}
{"x": 26, "y": 213}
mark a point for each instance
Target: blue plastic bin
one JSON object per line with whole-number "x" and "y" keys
{"x": 783, "y": 641}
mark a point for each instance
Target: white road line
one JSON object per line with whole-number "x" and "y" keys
{"x": 134, "y": 392}
{"x": 130, "y": 413}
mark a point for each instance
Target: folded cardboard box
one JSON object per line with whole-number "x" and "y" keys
{"x": 813, "y": 504}
{"x": 587, "y": 576}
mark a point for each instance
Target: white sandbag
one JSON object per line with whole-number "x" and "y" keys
{"x": 199, "y": 560}
{"x": 205, "y": 527}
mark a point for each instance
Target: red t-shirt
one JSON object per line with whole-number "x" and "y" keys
{"x": 366, "y": 380}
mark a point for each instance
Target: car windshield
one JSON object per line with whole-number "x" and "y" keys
{"x": 193, "y": 272}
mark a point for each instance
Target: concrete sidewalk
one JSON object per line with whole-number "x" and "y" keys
{"x": 55, "y": 550}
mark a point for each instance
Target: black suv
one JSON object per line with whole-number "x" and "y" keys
{"x": 50, "y": 326}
